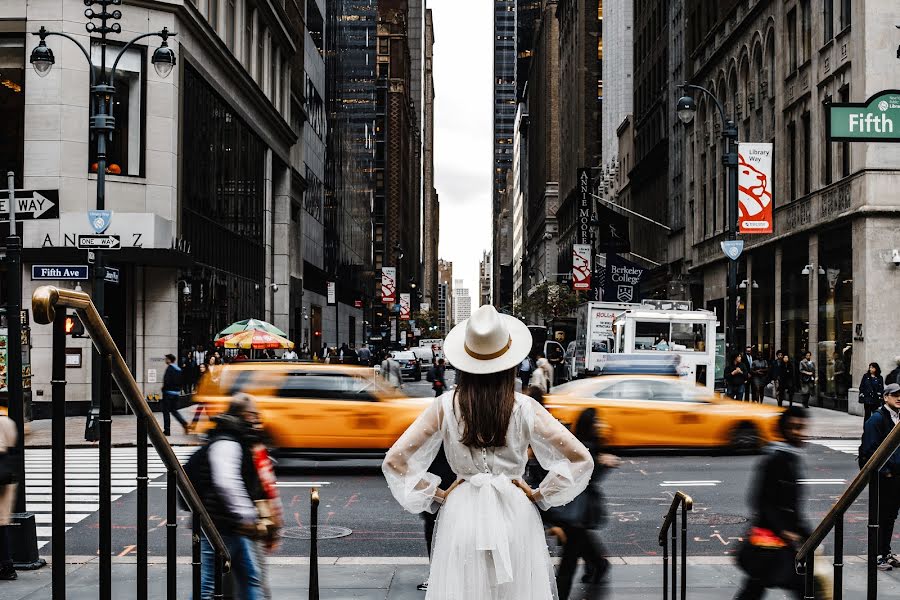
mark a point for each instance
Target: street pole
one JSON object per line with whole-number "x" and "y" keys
{"x": 730, "y": 161}
{"x": 15, "y": 397}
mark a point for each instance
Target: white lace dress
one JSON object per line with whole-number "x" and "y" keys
{"x": 489, "y": 542}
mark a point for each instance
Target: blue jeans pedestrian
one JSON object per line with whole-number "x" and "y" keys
{"x": 244, "y": 565}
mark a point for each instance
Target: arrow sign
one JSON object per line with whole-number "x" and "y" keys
{"x": 99, "y": 242}
{"x": 32, "y": 204}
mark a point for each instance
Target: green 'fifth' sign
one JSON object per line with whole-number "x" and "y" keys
{"x": 875, "y": 120}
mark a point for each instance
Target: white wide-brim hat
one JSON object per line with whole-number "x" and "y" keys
{"x": 487, "y": 342}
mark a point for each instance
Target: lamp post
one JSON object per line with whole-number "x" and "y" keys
{"x": 102, "y": 125}
{"x": 685, "y": 109}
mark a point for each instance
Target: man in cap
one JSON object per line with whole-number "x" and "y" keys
{"x": 875, "y": 431}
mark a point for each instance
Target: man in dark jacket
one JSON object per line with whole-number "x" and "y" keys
{"x": 230, "y": 488}
{"x": 895, "y": 374}
{"x": 875, "y": 430}
{"x": 171, "y": 391}
{"x": 775, "y": 499}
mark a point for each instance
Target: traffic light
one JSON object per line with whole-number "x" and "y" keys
{"x": 74, "y": 326}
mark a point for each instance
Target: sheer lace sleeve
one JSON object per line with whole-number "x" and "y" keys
{"x": 569, "y": 463}
{"x": 406, "y": 465}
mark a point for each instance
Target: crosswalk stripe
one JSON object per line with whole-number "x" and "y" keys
{"x": 82, "y": 481}
{"x": 845, "y": 446}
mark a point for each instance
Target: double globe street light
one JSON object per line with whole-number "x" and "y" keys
{"x": 686, "y": 108}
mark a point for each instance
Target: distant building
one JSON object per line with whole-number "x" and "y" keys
{"x": 430, "y": 204}
{"x": 485, "y": 278}
{"x": 504, "y": 115}
{"x": 445, "y": 294}
{"x": 462, "y": 302}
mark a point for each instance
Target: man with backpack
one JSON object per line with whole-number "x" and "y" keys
{"x": 226, "y": 477}
{"x": 875, "y": 431}
{"x": 171, "y": 391}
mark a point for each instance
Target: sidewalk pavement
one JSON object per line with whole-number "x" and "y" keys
{"x": 124, "y": 431}
{"x": 826, "y": 424}
{"x": 709, "y": 578}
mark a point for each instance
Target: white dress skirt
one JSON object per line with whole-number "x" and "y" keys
{"x": 489, "y": 541}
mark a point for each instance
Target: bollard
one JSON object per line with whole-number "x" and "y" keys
{"x": 314, "y": 544}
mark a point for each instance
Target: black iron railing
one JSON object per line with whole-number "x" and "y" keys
{"x": 45, "y": 302}
{"x": 670, "y": 523}
{"x": 834, "y": 520}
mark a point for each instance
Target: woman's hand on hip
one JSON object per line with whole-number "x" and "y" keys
{"x": 525, "y": 488}
{"x": 441, "y": 495}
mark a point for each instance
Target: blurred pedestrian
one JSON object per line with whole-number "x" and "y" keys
{"x": 390, "y": 370}
{"x": 188, "y": 376}
{"x": 225, "y": 474}
{"x": 759, "y": 376}
{"x": 875, "y": 431}
{"x": 871, "y": 390}
{"x": 542, "y": 377}
{"x": 786, "y": 381}
{"x": 171, "y": 391}
{"x": 894, "y": 374}
{"x": 581, "y": 518}
{"x": 436, "y": 377}
{"x": 778, "y": 528}
{"x": 525, "y": 369}
{"x": 441, "y": 468}
{"x": 365, "y": 356}
{"x": 9, "y": 462}
{"x": 489, "y": 542}
{"x": 268, "y": 507}
{"x": 807, "y": 372}
{"x": 735, "y": 377}
{"x": 775, "y": 370}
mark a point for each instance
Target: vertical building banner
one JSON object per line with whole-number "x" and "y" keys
{"x": 332, "y": 293}
{"x": 404, "y": 307}
{"x": 585, "y": 206}
{"x": 581, "y": 267}
{"x": 623, "y": 280}
{"x": 754, "y": 188}
{"x": 388, "y": 285}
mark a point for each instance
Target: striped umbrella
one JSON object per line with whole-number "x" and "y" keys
{"x": 254, "y": 339}
{"x": 250, "y": 324}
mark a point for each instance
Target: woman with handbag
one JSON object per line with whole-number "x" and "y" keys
{"x": 7, "y": 494}
{"x": 583, "y": 516}
{"x": 871, "y": 390}
{"x": 777, "y": 527}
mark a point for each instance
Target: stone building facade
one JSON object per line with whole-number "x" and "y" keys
{"x": 820, "y": 281}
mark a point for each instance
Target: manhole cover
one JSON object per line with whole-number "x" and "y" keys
{"x": 704, "y": 518}
{"x": 326, "y": 532}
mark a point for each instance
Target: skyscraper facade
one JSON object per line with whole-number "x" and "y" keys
{"x": 504, "y": 113}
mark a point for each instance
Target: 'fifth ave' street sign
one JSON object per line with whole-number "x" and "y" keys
{"x": 875, "y": 120}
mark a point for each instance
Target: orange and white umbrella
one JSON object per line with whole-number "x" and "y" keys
{"x": 254, "y": 339}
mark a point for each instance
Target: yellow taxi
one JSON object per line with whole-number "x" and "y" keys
{"x": 316, "y": 409}
{"x": 647, "y": 411}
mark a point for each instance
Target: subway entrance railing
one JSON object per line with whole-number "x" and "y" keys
{"x": 670, "y": 545}
{"x": 48, "y": 307}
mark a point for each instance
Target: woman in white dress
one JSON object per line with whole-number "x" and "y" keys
{"x": 489, "y": 541}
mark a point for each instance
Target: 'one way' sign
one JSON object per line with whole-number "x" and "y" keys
{"x": 31, "y": 204}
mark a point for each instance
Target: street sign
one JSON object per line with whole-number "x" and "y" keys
{"x": 100, "y": 219}
{"x": 99, "y": 242}
{"x": 733, "y": 248}
{"x": 59, "y": 272}
{"x": 111, "y": 275}
{"x": 31, "y": 204}
{"x": 875, "y": 120}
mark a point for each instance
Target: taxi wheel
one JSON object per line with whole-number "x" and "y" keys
{"x": 745, "y": 437}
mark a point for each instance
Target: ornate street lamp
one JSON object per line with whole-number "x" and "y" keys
{"x": 685, "y": 108}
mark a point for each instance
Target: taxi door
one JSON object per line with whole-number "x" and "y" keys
{"x": 633, "y": 417}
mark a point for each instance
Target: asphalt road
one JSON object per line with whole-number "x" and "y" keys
{"x": 357, "y": 503}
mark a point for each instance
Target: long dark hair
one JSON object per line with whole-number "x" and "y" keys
{"x": 877, "y": 369}
{"x": 585, "y": 430}
{"x": 485, "y": 406}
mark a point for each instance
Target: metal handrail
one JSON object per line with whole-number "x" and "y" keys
{"x": 44, "y": 302}
{"x": 856, "y": 487}
{"x": 685, "y": 503}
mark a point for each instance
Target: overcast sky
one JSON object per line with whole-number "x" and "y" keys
{"x": 463, "y": 72}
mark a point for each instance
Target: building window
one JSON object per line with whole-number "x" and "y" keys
{"x": 846, "y": 11}
{"x": 791, "y": 32}
{"x": 12, "y": 105}
{"x": 828, "y": 20}
{"x": 828, "y": 162}
{"x": 260, "y": 53}
{"x": 230, "y": 23}
{"x": 213, "y": 15}
{"x": 805, "y": 31}
{"x": 807, "y": 154}
{"x": 792, "y": 160}
{"x": 248, "y": 34}
{"x": 125, "y": 152}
